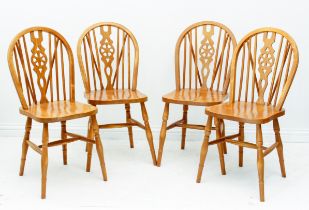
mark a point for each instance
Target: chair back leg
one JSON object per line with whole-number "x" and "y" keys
{"x": 128, "y": 120}
{"x": 64, "y": 146}
{"x": 279, "y": 147}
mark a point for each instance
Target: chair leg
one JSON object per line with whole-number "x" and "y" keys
{"x": 148, "y": 133}
{"x": 241, "y": 149}
{"x": 223, "y": 134}
{"x": 184, "y": 130}
{"x": 44, "y": 160}
{"x": 128, "y": 119}
{"x": 99, "y": 146}
{"x": 220, "y": 145}
{"x": 163, "y": 133}
{"x": 260, "y": 160}
{"x": 89, "y": 146}
{"x": 64, "y": 146}
{"x": 25, "y": 146}
{"x": 204, "y": 149}
{"x": 279, "y": 147}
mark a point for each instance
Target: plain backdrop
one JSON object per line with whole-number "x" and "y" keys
{"x": 134, "y": 183}
{"x": 156, "y": 25}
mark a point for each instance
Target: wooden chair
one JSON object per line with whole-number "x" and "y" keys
{"x": 42, "y": 68}
{"x": 263, "y": 68}
{"x": 203, "y": 54}
{"x": 108, "y": 57}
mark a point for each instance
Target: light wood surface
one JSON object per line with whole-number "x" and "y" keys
{"x": 108, "y": 56}
{"x": 64, "y": 146}
{"x": 115, "y": 97}
{"x": 203, "y": 57}
{"x": 58, "y": 111}
{"x": 42, "y": 68}
{"x": 263, "y": 68}
{"x": 196, "y": 97}
{"x": 245, "y": 112}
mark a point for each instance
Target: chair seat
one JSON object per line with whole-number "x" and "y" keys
{"x": 58, "y": 111}
{"x": 120, "y": 96}
{"x": 245, "y": 112}
{"x": 195, "y": 97}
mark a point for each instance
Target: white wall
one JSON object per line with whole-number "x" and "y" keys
{"x": 156, "y": 25}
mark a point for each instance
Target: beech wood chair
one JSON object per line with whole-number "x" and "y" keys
{"x": 108, "y": 57}
{"x": 42, "y": 68}
{"x": 202, "y": 68}
{"x": 263, "y": 68}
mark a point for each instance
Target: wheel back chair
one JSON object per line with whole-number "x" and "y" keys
{"x": 42, "y": 68}
{"x": 108, "y": 57}
{"x": 203, "y": 56}
{"x": 263, "y": 68}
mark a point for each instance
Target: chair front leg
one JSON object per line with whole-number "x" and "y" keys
{"x": 148, "y": 133}
{"x": 220, "y": 145}
{"x": 279, "y": 147}
{"x": 241, "y": 149}
{"x": 163, "y": 133}
{"x": 99, "y": 146}
{"x": 204, "y": 149}
{"x": 260, "y": 160}
{"x": 128, "y": 120}
{"x": 90, "y": 135}
{"x": 64, "y": 146}
{"x": 44, "y": 160}
{"x": 184, "y": 130}
{"x": 25, "y": 146}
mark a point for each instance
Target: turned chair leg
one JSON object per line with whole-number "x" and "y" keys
{"x": 64, "y": 146}
{"x": 90, "y": 135}
{"x": 223, "y": 134}
{"x": 260, "y": 160}
{"x": 204, "y": 149}
{"x": 220, "y": 145}
{"x": 44, "y": 160}
{"x": 128, "y": 120}
{"x": 241, "y": 149}
{"x": 184, "y": 130}
{"x": 25, "y": 146}
{"x": 99, "y": 146}
{"x": 163, "y": 133}
{"x": 279, "y": 147}
{"x": 148, "y": 133}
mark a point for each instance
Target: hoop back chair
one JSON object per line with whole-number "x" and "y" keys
{"x": 42, "y": 68}
{"x": 108, "y": 57}
{"x": 263, "y": 68}
{"x": 202, "y": 72}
